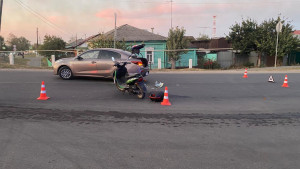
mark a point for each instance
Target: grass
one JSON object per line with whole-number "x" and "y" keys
{"x": 4, "y": 62}
{"x": 30, "y": 55}
{"x": 20, "y": 63}
{"x": 183, "y": 69}
{"x": 44, "y": 62}
{"x": 266, "y": 69}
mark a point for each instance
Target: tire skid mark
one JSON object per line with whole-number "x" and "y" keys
{"x": 87, "y": 117}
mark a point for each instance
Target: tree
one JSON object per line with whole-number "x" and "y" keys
{"x": 106, "y": 42}
{"x": 2, "y": 44}
{"x": 203, "y": 37}
{"x": 52, "y": 43}
{"x": 10, "y": 41}
{"x": 21, "y": 43}
{"x": 249, "y": 36}
{"x": 243, "y": 36}
{"x": 175, "y": 42}
{"x": 268, "y": 36}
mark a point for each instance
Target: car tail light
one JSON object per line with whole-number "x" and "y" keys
{"x": 137, "y": 63}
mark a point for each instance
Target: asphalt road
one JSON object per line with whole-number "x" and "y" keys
{"x": 188, "y": 93}
{"x": 215, "y": 121}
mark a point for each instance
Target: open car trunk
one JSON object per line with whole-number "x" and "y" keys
{"x": 144, "y": 61}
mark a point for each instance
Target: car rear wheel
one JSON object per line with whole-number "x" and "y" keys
{"x": 65, "y": 73}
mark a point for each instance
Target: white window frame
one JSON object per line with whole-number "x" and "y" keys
{"x": 150, "y": 49}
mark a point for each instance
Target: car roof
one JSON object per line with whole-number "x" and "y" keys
{"x": 113, "y": 49}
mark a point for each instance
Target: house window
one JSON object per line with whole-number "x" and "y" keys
{"x": 150, "y": 55}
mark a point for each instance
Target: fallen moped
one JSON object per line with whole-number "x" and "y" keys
{"x": 133, "y": 84}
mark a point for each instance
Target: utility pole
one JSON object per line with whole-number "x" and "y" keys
{"x": 76, "y": 41}
{"x": 171, "y": 14}
{"x": 115, "y": 32}
{"x": 37, "y": 41}
{"x": 37, "y": 38}
{"x": 278, "y": 30}
{"x": 1, "y": 6}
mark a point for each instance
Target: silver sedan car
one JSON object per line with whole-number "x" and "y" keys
{"x": 98, "y": 63}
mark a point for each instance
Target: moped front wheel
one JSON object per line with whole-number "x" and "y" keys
{"x": 122, "y": 89}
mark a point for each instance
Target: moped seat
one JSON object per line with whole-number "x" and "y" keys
{"x": 132, "y": 76}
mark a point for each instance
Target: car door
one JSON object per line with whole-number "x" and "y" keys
{"x": 106, "y": 65}
{"x": 86, "y": 64}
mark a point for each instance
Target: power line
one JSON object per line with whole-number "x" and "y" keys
{"x": 44, "y": 19}
{"x": 235, "y": 3}
{"x": 137, "y": 1}
{"x": 238, "y": 2}
{"x": 211, "y": 3}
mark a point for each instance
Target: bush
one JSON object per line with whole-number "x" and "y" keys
{"x": 248, "y": 64}
{"x": 211, "y": 65}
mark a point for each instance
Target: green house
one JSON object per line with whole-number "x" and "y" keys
{"x": 155, "y": 45}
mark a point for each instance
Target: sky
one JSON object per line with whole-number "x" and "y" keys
{"x": 83, "y": 18}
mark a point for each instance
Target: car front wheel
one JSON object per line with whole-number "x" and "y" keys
{"x": 65, "y": 73}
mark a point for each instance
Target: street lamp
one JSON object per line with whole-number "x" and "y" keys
{"x": 278, "y": 29}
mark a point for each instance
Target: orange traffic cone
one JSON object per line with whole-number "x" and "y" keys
{"x": 43, "y": 95}
{"x": 166, "y": 98}
{"x": 285, "y": 83}
{"x": 245, "y": 74}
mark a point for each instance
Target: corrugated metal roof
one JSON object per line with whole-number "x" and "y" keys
{"x": 126, "y": 33}
{"x": 297, "y": 32}
{"x": 130, "y": 33}
{"x": 77, "y": 42}
{"x": 80, "y": 42}
{"x": 211, "y": 43}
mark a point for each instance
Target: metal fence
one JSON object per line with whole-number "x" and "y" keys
{"x": 191, "y": 58}
{"x": 205, "y": 59}
{"x": 31, "y": 58}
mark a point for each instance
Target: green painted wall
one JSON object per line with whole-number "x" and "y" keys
{"x": 184, "y": 59}
{"x": 211, "y": 56}
{"x": 158, "y": 47}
